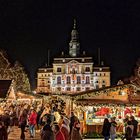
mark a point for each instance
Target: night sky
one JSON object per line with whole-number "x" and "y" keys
{"x": 28, "y": 28}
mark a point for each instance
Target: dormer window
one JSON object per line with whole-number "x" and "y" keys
{"x": 87, "y": 69}
{"x": 58, "y": 69}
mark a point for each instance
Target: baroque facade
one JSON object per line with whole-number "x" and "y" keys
{"x": 72, "y": 73}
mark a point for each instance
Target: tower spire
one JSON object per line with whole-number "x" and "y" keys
{"x": 74, "y": 25}
{"x": 74, "y": 45}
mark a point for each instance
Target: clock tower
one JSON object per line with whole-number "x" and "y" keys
{"x": 74, "y": 45}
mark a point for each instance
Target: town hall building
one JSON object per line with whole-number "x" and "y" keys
{"x": 73, "y": 72}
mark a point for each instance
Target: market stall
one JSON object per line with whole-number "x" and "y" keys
{"x": 93, "y": 107}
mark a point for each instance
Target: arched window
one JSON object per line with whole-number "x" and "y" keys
{"x": 78, "y": 80}
{"x": 68, "y": 80}
{"x": 87, "y": 80}
{"x": 58, "y": 69}
{"x": 59, "y": 80}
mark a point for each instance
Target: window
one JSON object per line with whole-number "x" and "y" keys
{"x": 73, "y": 71}
{"x": 58, "y": 69}
{"x": 103, "y": 85}
{"x": 97, "y": 87}
{"x": 78, "y": 80}
{"x": 68, "y": 89}
{"x": 59, "y": 80}
{"x": 48, "y": 86}
{"x": 68, "y": 80}
{"x": 78, "y": 89}
{"x": 59, "y": 88}
{"x": 87, "y": 69}
{"x": 42, "y": 83}
{"x": 87, "y": 88}
{"x": 87, "y": 80}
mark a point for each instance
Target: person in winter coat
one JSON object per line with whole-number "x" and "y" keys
{"x": 106, "y": 129}
{"x": 135, "y": 124}
{"x": 58, "y": 134}
{"x": 22, "y": 124}
{"x": 32, "y": 122}
{"x": 3, "y": 132}
{"x": 47, "y": 133}
{"x": 6, "y": 120}
{"x": 65, "y": 128}
{"x": 113, "y": 129}
{"x": 129, "y": 131}
{"x": 73, "y": 118}
{"x": 75, "y": 133}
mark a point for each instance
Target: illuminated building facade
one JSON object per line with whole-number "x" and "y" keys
{"x": 72, "y": 73}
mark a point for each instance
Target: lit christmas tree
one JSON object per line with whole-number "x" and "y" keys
{"x": 16, "y": 73}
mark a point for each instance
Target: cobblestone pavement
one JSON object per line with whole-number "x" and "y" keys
{"x": 15, "y": 135}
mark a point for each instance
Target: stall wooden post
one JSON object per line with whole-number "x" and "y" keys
{"x": 84, "y": 124}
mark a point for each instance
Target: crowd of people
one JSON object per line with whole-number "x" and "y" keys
{"x": 130, "y": 128}
{"x": 52, "y": 123}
